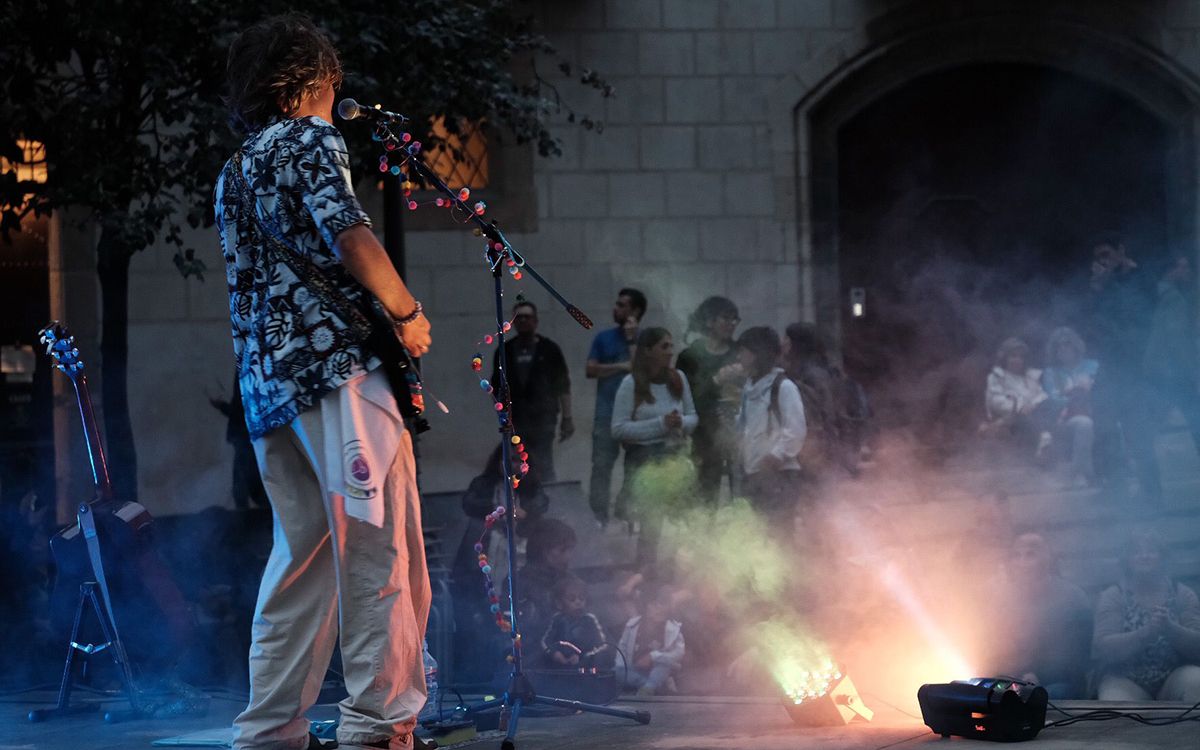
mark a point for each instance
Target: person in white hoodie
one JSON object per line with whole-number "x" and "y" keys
{"x": 653, "y": 415}
{"x": 1016, "y": 402}
{"x": 771, "y": 426}
{"x": 651, "y": 648}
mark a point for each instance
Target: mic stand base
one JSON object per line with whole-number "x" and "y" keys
{"x": 521, "y": 692}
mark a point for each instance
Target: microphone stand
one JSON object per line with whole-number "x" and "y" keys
{"x": 499, "y": 254}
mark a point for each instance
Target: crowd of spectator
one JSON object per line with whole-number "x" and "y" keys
{"x": 765, "y": 417}
{"x": 1098, "y": 405}
{"x": 1139, "y": 642}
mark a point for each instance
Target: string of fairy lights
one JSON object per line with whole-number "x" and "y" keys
{"x": 404, "y": 147}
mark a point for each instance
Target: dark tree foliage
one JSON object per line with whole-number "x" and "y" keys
{"x": 126, "y": 97}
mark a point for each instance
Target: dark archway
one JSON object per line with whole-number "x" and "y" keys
{"x": 965, "y": 200}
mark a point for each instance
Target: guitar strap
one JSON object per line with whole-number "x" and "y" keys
{"x": 406, "y": 386}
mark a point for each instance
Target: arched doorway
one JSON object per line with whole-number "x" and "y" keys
{"x": 966, "y": 199}
{"x": 1109, "y": 50}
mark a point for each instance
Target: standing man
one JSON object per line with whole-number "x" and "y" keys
{"x": 540, "y": 388}
{"x": 713, "y": 442}
{"x": 336, "y": 458}
{"x": 608, "y": 363}
{"x": 1122, "y": 308}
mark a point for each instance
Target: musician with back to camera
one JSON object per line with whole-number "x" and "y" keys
{"x": 348, "y": 562}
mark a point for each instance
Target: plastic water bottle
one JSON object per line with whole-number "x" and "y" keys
{"x": 430, "y": 712}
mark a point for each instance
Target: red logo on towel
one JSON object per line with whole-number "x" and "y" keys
{"x": 359, "y": 469}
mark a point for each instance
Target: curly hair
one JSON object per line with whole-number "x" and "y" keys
{"x": 1009, "y": 347}
{"x": 1063, "y": 335}
{"x": 708, "y": 311}
{"x": 275, "y": 65}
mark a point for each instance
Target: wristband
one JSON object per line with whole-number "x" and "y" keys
{"x": 412, "y": 316}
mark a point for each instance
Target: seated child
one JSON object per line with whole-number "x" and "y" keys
{"x": 652, "y": 646}
{"x": 574, "y": 638}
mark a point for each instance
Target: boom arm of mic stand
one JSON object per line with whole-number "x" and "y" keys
{"x": 488, "y": 229}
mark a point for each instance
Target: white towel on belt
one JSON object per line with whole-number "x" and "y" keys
{"x": 362, "y": 436}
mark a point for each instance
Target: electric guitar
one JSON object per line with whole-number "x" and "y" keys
{"x": 152, "y": 611}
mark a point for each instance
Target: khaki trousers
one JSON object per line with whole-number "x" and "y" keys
{"x": 330, "y": 574}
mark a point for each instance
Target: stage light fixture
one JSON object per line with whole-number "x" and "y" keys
{"x": 828, "y": 699}
{"x": 999, "y": 709}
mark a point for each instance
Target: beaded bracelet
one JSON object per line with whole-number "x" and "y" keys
{"x": 412, "y": 316}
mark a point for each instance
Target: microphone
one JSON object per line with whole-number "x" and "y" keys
{"x": 348, "y": 109}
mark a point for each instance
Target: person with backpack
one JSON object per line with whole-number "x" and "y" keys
{"x": 771, "y": 427}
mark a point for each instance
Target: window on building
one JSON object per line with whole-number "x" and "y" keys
{"x": 462, "y": 159}
{"x": 32, "y": 167}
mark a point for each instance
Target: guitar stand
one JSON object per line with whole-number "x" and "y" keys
{"x": 87, "y": 595}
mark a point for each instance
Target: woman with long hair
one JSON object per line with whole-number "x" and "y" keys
{"x": 653, "y": 415}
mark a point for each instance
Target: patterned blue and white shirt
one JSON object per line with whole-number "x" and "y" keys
{"x": 290, "y": 346}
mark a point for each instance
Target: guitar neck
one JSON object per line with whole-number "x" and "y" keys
{"x": 91, "y": 432}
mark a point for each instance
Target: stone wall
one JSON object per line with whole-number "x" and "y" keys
{"x": 696, "y": 186}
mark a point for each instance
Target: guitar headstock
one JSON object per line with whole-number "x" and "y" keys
{"x": 60, "y": 345}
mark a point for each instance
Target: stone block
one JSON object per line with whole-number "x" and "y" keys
{"x": 615, "y": 148}
{"x": 820, "y": 40}
{"x": 568, "y": 136}
{"x": 420, "y": 282}
{"x": 162, "y": 295}
{"x": 694, "y": 194}
{"x": 668, "y": 147}
{"x": 777, "y": 52}
{"x": 726, "y": 147}
{"x": 1181, "y": 14}
{"x": 783, "y": 196}
{"x": 769, "y": 240}
{"x": 691, "y": 14}
{"x": 747, "y": 14}
{"x": 765, "y": 155}
{"x": 692, "y": 100}
{"x": 632, "y": 14}
{"x": 636, "y": 194}
{"x": 541, "y": 192}
{"x": 208, "y": 300}
{"x": 724, "y": 53}
{"x": 557, "y": 241}
{"x": 743, "y": 99}
{"x": 438, "y": 248}
{"x": 851, "y": 14}
{"x": 609, "y": 52}
{"x": 589, "y": 15}
{"x": 727, "y": 239}
{"x": 578, "y": 195}
{"x": 690, "y": 283}
{"x": 637, "y": 101}
{"x": 461, "y": 290}
{"x": 671, "y": 241}
{"x": 613, "y": 241}
{"x": 810, "y": 14}
{"x": 667, "y": 53}
{"x": 754, "y": 285}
